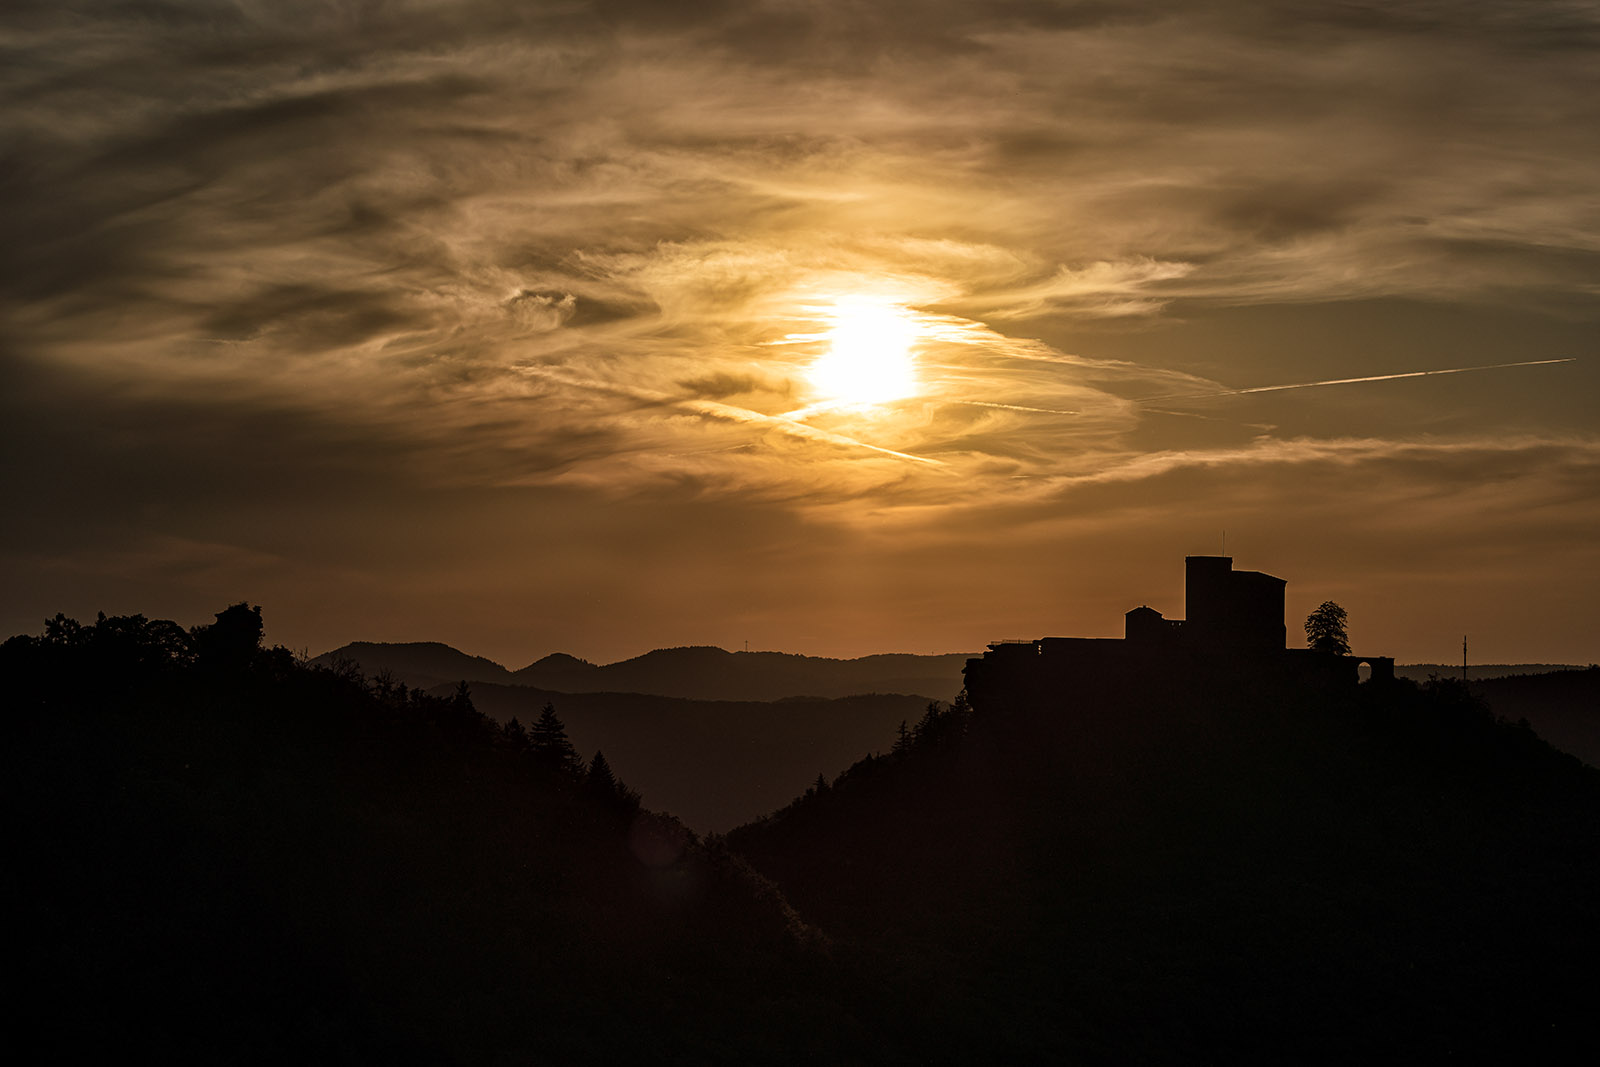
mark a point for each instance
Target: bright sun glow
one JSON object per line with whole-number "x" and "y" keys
{"x": 869, "y": 358}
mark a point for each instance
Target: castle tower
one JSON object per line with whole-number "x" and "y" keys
{"x": 1234, "y": 611}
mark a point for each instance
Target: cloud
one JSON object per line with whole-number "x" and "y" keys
{"x": 456, "y": 246}
{"x": 1109, "y": 289}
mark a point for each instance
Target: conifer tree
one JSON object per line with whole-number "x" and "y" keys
{"x": 599, "y": 776}
{"x": 611, "y": 795}
{"x": 551, "y": 749}
{"x": 515, "y": 734}
{"x": 902, "y": 739}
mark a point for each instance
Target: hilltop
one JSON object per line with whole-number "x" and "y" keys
{"x": 419, "y": 664}
{"x": 1185, "y": 871}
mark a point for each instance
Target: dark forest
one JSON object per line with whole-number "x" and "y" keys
{"x": 225, "y": 854}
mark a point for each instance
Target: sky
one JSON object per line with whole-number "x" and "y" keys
{"x": 831, "y": 327}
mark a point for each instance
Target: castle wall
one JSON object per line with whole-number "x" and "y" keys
{"x": 1235, "y": 630}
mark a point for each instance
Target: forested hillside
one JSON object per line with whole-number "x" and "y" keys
{"x": 1563, "y": 706}
{"x": 223, "y": 856}
{"x": 226, "y": 856}
{"x": 1191, "y": 871}
{"x": 713, "y": 763}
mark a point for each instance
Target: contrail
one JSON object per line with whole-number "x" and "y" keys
{"x": 714, "y": 409}
{"x": 1352, "y": 381}
{"x": 733, "y": 413}
{"x": 1015, "y": 407}
{"x": 1207, "y": 418}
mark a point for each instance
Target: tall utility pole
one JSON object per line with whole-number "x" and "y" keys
{"x": 1463, "y": 657}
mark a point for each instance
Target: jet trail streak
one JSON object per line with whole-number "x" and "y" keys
{"x": 1016, "y": 407}
{"x": 713, "y": 409}
{"x": 1352, "y": 381}
{"x": 733, "y": 413}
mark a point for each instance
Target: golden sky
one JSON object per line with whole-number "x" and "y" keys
{"x": 510, "y": 325}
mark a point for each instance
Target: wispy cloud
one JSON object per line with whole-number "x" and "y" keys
{"x": 463, "y": 246}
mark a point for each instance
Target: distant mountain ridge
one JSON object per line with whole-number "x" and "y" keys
{"x": 695, "y": 672}
{"x": 712, "y": 763}
{"x": 421, "y": 664}
{"x": 1477, "y": 672}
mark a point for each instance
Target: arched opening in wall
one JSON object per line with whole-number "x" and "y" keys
{"x": 1363, "y": 671}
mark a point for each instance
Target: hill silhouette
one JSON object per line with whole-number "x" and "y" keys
{"x": 227, "y": 856}
{"x": 713, "y": 764}
{"x": 708, "y": 673}
{"x": 1562, "y": 706}
{"x": 697, "y": 672}
{"x": 415, "y": 663}
{"x": 558, "y": 663}
{"x": 1217, "y": 871}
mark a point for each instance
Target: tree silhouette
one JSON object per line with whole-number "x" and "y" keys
{"x": 515, "y": 735}
{"x": 551, "y": 748}
{"x": 607, "y": 793}
{"x": 232, "y": 641}
{"x": 1325, "y": 630}
{"x": 599, "y": 777}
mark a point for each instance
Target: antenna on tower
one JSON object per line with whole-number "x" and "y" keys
{"x": 1224, "y": 542}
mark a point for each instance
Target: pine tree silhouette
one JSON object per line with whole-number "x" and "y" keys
{"x": 599, "y": 776}
{"x": 552, "y": 751}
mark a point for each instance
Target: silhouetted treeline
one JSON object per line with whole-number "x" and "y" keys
{"x": 1194, "y": 871}
{"x": 1563, "y": 706}
{"x": 223, "y": 856}
{"x": 714, "y": 764}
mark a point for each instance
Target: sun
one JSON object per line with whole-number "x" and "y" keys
{"x": 869, "y": 358}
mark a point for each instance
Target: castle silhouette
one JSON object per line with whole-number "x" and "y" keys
{"x": 1234, "y": 632}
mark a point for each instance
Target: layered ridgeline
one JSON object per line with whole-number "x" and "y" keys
{"x": 700, "y": 672}
{"x": 712, "y": 763}
{"x": 715, "y": 737}
{"x": 224, "y": 855}
{"x": 718, "y": 738}
{"x": 694, "y": 672}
